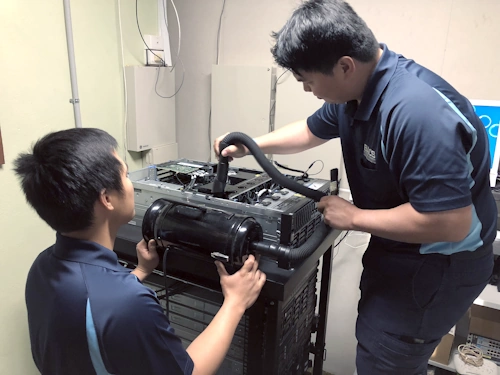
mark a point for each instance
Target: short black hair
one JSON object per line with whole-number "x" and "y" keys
{"x": 319, "y": 33}
{"x": 65, "y": 173}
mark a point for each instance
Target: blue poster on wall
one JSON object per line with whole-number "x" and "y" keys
{"x": 489, "y": 113}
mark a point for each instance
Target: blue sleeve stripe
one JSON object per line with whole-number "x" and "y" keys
{"x": 472, "y": 131}
{"x": 473, "y": 239}
{"x": 95, "y": 353}
{"x": 464, "y": 119}
{"x": 472, "y": 242}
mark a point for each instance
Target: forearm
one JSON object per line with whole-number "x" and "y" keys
{"x": 404, "y": 223}
{"x": 293, "y": 138}
{"x": 209, "y": 349}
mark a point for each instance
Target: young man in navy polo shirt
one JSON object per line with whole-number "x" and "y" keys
{"x": 86, "y": 313}
{"x": 417, "y": 161}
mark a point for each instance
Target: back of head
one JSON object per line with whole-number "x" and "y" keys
{"x": 319, "y": 33}
{"x": 65, "y": 173}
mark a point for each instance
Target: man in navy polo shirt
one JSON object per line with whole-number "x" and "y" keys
{"x": 417, "y": 161}
{"x": 86, "y": 313}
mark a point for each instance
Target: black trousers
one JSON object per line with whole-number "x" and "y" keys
{"x": 409, "y": 301}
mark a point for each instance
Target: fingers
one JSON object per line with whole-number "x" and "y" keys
{"x": 217, "y": 144}
{"x": 248, "y": 266}
{"x": 221, "y": 269}
{"x": 230, "y": 150}
{"x": 262, "y": 279}
{"x": 152, "y": 246}
{"x": 255, "y": 266}
{"x": 141, "y": 245}
{"x": 321, "y": 205}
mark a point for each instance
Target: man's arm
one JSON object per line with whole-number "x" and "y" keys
{"x": 402, "y": 223}
{"x": 240, "y": 292}
{"x": 293, "y": 138}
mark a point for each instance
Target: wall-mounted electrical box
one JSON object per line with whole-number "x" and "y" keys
{"x": 161, "y": 154}
{"x": 150, "y": 118}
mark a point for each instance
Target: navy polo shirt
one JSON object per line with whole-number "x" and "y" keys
{"x": 413, "y": 138}
{"x": 89, "y": 315}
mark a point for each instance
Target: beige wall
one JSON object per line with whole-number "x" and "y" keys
{"x": 455, "y": 38}
{"x": 34, "y": 95}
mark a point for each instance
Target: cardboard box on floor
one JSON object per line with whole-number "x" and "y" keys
{"x": 443, "y": 351}
{"x": 480, "y": 320}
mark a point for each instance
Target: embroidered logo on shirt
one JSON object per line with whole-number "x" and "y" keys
{"x": 369, "y": 154}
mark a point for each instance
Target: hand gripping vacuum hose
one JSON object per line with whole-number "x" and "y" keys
{"x": 287, "y": 257}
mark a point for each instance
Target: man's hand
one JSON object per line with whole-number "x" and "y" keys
{"x": 338, "y": 212}
{"x": 242, "y": 289}
{"x": 148, "y": 259}
{"x": 233, "y": 151}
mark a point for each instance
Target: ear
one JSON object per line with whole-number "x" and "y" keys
{"x": 346, "y": 65}
{"x": 105, "y": 200}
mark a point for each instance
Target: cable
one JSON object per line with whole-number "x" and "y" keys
{"x": 167, "y": 310}
{"x": 342, "y": 239}
{"x": 274, "y": 89}
{"x": 140, "y": 32}
{"x": 177, "y": 59}
{"x": 218, "y": 31}
{"x": 314, "y": 162}
{"x": 210, "y": 135}
{"x": 175, "y": 93}
{"x": 471, "y": 354}
{"x": 304, "y": 173}
{"x": 217, "y": 63}
{"x": 124, "y": 84}
{"x": 287, "y": 168}
{"x": 178, "y": 25}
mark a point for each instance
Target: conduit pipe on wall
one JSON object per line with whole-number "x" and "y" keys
{"x": 72, "y": 66}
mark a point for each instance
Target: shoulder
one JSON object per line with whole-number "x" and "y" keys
{"x": 411, "y": 104}
{"x": 121, "y": 292}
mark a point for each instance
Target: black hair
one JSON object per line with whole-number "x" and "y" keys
{"x": 66, "y": 172}
{"x": 319, "y": 33}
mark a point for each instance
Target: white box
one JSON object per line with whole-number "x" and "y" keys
{"x": 151, "y": 118}
{"x": 162, "y": 154}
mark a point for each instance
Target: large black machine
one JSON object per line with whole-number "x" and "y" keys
{"x": 198, "y": 212}
{"x": 226, "y": 212}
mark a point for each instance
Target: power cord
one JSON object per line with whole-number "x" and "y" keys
{"x": 178, "y": 25}
{"x": 218, "y": 31}
{"x": 471, "y": 354}
{"x": 142, "y": 37}
{"x": 217, "y": 63}
{"x": 176, "y": 91}
{"x": 167, "y": 309}
{"x": 177, "y": 59}
{"x": 342, "y": 239}
{"x": 274, "y": 89}
{"x": 305, "y": 175}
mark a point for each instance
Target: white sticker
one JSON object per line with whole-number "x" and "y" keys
{"x": 189, "y": 164}
{"x": 315, "y": 185}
